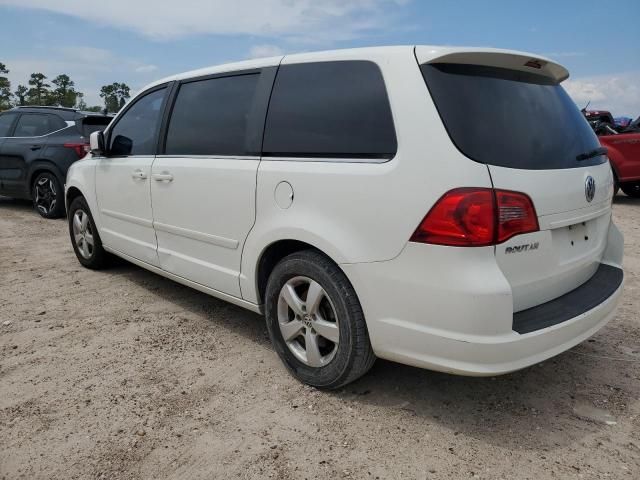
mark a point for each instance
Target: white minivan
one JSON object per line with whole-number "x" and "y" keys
{"x": 447, "y": 208}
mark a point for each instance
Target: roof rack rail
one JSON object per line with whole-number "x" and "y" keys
{"x": 68, "y": 109}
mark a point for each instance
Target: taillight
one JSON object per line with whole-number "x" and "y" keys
{"x": 516, "y": 215}
{"x": 476, "y": 217}
{"x": 81, "y": 149}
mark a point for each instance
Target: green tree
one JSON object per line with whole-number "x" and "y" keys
{"x": 5, "y": 88}
{"x": 64, "y": 94}
{"x": 39, "y": 93}
{"x": 21, "y": 94}
{"x": 95, "y": 108}
{"x": 108, "y": 93}
{"x": 115, "y": 96}
{"x": 80, "y": 103}
{"x": 124, "y": 93}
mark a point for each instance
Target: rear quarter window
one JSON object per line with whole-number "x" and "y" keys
{"x": 330, "y": 109}
{"x": 509, "y": 118}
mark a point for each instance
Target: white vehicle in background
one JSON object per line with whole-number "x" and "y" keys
{"x": 447, "y": 208}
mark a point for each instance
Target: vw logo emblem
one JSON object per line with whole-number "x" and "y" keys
{"x": 589, "y": 188}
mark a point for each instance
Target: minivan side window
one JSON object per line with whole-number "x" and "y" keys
{"x": 336, "y": 109}
{"x": 210, "y": 116}
{"x": 6, "y": 121}
{"x": 37, "y": 124}
{"x": 136, "y": 132}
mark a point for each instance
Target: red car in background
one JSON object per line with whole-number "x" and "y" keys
{"x": 623, "y": 145}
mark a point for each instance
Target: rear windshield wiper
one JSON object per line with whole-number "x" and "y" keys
{"x": 593, "y": 153}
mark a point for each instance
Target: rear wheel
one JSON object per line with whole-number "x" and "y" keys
{"x": 315, "y": 321}
{"x": 84, "y": 236}
{"x": 631, "y": 189}
{"x": 47, "y": 195}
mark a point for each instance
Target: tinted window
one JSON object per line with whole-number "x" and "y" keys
{"x": 94, "y": 124}
{"x": 337, "y": 109}
{"x": 5, "y": 124}
{"x": 35, "y": 125}
{"x": 210, "y": 117}
{"x": 509, "y": 118}
{"x": 136, "y": 132}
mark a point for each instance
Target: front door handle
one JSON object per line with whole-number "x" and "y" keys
{"x": 35, "y": 147}
{"x": 139, "y": 174}
{"x": 162, "y": 177}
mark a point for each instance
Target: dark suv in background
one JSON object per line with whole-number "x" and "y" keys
{"x": 37, "y": 146}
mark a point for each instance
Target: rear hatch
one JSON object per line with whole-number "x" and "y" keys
{"x": 509, "y": 112}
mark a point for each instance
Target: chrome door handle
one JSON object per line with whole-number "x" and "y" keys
{"x": 139, "y": 174}
{"x": 162, "y": 177}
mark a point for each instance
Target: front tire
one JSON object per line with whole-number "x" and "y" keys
{"x": 84, "y": 236}
{"x": 315, "y": 321}
{"x": 48, "y": 195}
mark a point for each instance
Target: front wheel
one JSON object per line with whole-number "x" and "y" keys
{"x": 47, "y": 195}
{"x": 84, "y": 236}
{"x": 632, "y": 189}
{"x": 315, "y": 321}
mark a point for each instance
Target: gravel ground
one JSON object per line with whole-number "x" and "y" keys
{"x": 122, "y": 374}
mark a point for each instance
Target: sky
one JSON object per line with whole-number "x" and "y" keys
{"x": 139, "y": 41}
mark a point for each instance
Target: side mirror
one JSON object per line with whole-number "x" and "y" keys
{"x": 121, "y": 146}
{"x": 96, "y": 142}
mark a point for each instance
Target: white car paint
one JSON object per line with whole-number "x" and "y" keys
{"x": 444, "y": 308}
{"x": 211, "y": 187}
{"x": 124, "y": 206}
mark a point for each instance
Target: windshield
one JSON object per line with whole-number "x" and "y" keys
{"x": 510, "y": 118}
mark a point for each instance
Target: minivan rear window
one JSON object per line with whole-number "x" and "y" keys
{"x": 509, "y": 118}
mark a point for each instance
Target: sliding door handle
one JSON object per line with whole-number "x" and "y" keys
{"x": 162, "y": 177}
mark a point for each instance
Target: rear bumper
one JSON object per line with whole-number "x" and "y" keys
{"x": 451, "y": 310}
{"x": 588, "y": 296}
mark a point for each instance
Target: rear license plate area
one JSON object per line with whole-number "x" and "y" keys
{"x": 579, "y": 240}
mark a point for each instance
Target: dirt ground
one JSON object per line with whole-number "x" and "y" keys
{"x": 122, "y": 374}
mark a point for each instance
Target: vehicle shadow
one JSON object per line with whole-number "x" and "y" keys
{"x": 532, "y": 408}
{"x": 7, "y": 203}
{"x": 622, "y": 199}
{"x": 236, "y": 319}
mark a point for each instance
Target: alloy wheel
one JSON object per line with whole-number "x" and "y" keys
{"x": 308, "y": 321}
{"x": 46, "y": 195}
{"x": 83, "y": 234}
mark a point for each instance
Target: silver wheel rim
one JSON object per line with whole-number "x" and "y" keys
{"x": 82, "y": 234}
{"x": 46, "y": 196}
{"x": 308, "y": 321}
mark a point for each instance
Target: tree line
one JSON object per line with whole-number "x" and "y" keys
{"x": 60, "y": 92}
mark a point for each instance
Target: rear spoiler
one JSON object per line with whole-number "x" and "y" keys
{"x": 493, "y": 57}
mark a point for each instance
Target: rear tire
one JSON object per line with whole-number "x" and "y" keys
{"x": 85, "y": 237}
{"x": 631, "y": 189}
{"x": 47, "y": 195}
{"x": 327, "y": 343}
